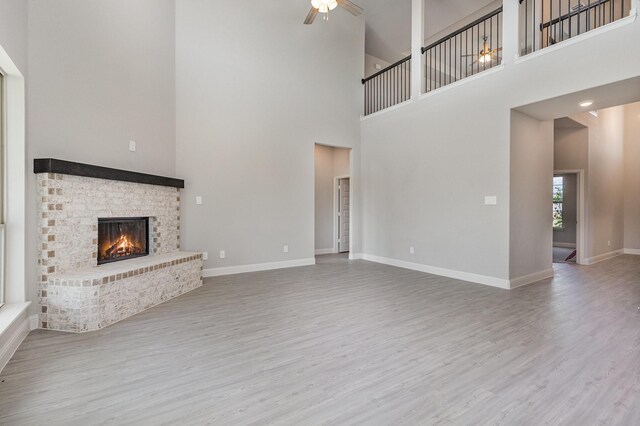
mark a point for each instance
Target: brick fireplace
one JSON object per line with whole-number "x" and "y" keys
{"x": 91, "y": 271}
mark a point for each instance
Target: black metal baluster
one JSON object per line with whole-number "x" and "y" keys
{"x": 612, "y": 10}
{"x": 526, "y": 24}
{"x": 366, "y": 98}
{"x": 450, "y": 67}
{"x": 542, "y": 41}
{"x": 533, "y": 26}
{"x": 559, "y": 24}
{"x": 491, "y": 42}
{"x": 570, "y": 18}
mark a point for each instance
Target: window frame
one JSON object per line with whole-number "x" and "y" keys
{"x": 3, "y": 169}
{"x": 560, "y": 202}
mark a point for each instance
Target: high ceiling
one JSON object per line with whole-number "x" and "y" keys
{"x": 388, "y": 22}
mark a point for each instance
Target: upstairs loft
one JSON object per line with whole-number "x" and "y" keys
{"x": 482, "y": 43}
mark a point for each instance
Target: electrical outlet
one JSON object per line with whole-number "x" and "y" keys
{"x": 285, "y": 249}
{"x": 205, "y": 255}
{"x": 132, "y": 146}
{"x": 412, "y": 250}
{"x": 198, "y": 200}
{"x": 490, "y": 200}
{"x": 223, "y": 254}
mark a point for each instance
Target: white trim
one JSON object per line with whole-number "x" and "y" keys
{"x": 459, "y": 275}
{"x": 564, "y": 245}
{"x": 336, "y": 207}
{"x": 241, "y": 269}
{"x": 8, "y": 316}
{"x": 579, "y": 38}
{"x": 581, "y": 216}
{"x": 605, "y": 256}
{"x": 16, "y": 173}
{"x": 531, "y": 278}
{"x": 635, "y": 252}
{"x": 320, "y": 252}
{"x": 34, "y": 324}
{"x": 355, "y": 256}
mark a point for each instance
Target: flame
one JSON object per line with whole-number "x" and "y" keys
{"x": 123, "y": 246}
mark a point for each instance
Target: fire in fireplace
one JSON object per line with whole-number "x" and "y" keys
{"x": 122, "y": 238}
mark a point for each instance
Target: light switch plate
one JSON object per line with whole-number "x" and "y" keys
{"x": 198, "y": 200}
{"x": 132, "y": 146}
{"x": 490, "y": 200}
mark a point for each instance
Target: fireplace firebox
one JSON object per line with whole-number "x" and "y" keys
{"x": 122, "y": 238}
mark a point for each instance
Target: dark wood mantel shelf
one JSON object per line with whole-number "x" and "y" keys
{"x": 51, "y": 165}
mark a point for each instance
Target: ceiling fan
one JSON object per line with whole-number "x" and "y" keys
{"x": 324, "y": 6}
{"x": 486, "y": 55}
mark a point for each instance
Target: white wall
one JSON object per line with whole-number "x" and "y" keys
{"x": 605, "y": 202}
{"x": 632, "y": 177}
{"x": 101, "y": 73}
{"x": 531, "y": 233}
{"x": 449, "y": 149}
{"x": 330, "y": 163}
{"x": 256, "y": 90}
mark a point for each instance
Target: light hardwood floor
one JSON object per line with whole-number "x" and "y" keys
{"x": 349, "y": 343}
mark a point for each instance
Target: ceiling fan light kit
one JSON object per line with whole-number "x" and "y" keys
{"x": 324, "y": 6}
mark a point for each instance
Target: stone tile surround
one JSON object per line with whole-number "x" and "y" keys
{"x": 68, "y": 210}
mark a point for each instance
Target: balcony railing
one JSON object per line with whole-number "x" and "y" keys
{"x": 547, "y": 22}
{"x": 473, "y": 48}
{"x": 388, "y": 87}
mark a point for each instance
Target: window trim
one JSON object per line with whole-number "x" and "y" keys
{"x": 3, "y": 108}
{"x": 561, "y": 203}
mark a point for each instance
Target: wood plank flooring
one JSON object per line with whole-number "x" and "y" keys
{"x": 349, "y": 342}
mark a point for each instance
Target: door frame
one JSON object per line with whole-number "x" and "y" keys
{"x": 581, "y": 234}
{"x": 336, "y": 206}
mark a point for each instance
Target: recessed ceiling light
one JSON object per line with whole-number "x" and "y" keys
{"x": 585, "y": 104}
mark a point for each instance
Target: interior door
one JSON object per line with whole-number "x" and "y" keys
{"x": 343, "y": 215}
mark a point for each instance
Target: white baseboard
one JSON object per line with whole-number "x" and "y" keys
{"x": 459, "y": 275}
{"x": 531, "y": 278}
{"x": 325, "y": 251}
{"x": 33, "y": 322}
{"x": 13, "y": 342}
{"x": 356, "y": 256}
{"x": 564, "y": 245}
{"x": 241, "y": 269}
{"x": 601, "y": 257}
{"x": 632, "y": 251}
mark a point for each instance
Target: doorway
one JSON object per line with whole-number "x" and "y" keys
{"x": 333, "y": 200}
{"x": 566, "y": 217}
{"x": 343, "y": 214}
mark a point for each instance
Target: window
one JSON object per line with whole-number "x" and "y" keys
{"x": 2, "y": 168}
{"x": 558, "y": 199}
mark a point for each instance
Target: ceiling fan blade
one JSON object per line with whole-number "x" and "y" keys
{"x": 351, "y": 7}
{"x": 311, "y": 16}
